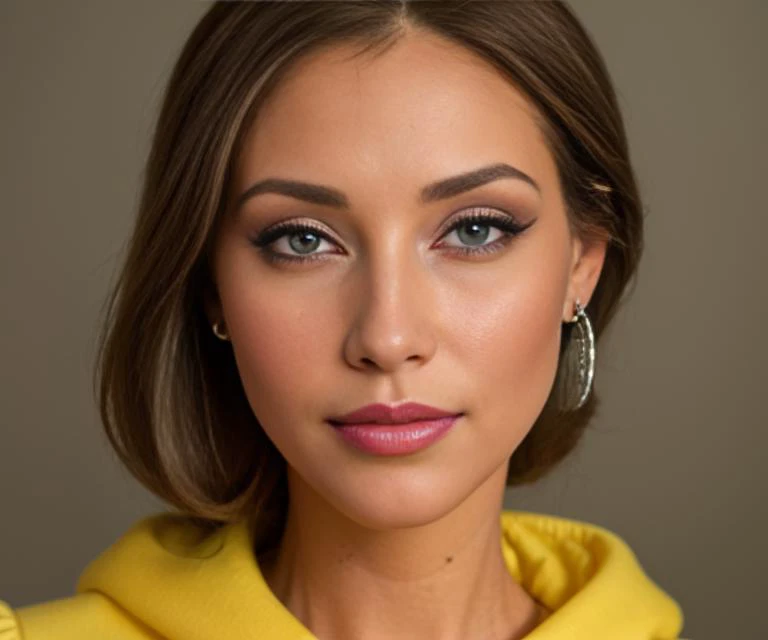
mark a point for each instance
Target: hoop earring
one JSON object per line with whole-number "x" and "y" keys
{"x": 586, "y": 358}
{"x": 218, "y": 332}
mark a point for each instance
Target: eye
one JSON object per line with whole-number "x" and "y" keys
{"x": 470, "y": 229}
{"x": 303, "y": 238}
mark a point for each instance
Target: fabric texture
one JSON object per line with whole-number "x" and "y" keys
{"x": 166, "y": 578}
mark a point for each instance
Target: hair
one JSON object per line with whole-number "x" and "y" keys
{"x": 169, "y": 393}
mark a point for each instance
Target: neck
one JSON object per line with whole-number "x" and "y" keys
{"x": 444, "y": 580}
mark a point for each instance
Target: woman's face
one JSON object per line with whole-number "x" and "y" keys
{"x": 394, "y": 300}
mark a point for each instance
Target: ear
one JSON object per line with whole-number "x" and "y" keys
{"x": 586, "y": 265}
{"x": 211, "y": 301}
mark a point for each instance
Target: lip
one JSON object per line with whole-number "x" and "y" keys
{"x": 391, "y": 414}
{"x": 396, "y": 439}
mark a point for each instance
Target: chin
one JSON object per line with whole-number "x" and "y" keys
{"x": 394, "y": 514}
{"x": 400, "y": 503}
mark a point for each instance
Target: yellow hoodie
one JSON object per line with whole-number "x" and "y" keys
{"x": 163, "y": 579}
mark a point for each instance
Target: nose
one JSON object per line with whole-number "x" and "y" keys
{"x": 394, "y": 322}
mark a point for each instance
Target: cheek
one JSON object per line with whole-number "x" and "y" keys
{"x": 281, "y": 347}
{"x": 506, "y": 342}
{"x": 520, "y": 354}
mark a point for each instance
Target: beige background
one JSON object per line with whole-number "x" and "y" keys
{"x": 676, "y": 461}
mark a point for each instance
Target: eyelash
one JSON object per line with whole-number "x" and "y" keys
{"x": 504, "y": 223}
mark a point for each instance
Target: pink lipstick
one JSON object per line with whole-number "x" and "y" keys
{"x": 394, "y": 430}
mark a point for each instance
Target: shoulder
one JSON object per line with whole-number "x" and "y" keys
{"x": 85, "y": 616}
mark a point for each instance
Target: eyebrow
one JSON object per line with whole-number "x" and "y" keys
{"x": 440, "y": 190}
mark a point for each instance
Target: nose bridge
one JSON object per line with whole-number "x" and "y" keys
{"x": 392, "y": 316}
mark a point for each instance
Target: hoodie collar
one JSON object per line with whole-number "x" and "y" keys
{"x": 189, "y": 585}
{"x": 588, "y": 577}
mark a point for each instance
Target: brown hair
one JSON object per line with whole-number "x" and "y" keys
{"x": 170, "y": 397}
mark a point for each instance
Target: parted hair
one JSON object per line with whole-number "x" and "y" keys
{"x": 169, "y": 394}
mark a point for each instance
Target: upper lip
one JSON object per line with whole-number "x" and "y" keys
{"x": 389, "y": 414}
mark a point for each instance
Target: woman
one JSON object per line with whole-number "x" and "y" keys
{"x": 376, "y": 245}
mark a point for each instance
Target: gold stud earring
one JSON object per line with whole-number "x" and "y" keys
{"x": 221, "y": 335}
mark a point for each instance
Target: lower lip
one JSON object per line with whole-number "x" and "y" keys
{"x": 395, "y": 439}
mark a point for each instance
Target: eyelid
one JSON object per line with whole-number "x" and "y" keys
{"x": 507, "y": 221}
{"x": 284, "y": 227}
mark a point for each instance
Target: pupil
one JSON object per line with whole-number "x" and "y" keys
{"x": 301, "y": 246}
{"x": 475, "y": 238}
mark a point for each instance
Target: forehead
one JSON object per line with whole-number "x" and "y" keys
{"x": 424, "y": 109}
